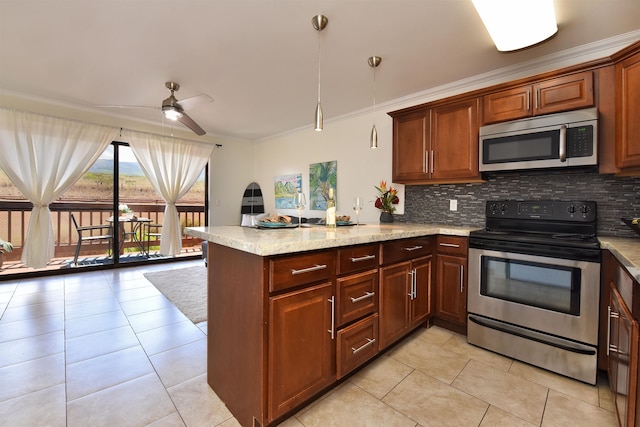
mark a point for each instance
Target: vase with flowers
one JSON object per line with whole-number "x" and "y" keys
{"x": 385, "y": 201}
{"x": 124, "y": 211}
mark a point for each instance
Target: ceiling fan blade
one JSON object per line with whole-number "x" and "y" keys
{"x": 127, "y": 106}
{"x": 194, "y": 101}
{"x": 188, "y": 122}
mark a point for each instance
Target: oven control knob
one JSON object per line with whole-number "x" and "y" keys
{"x": 493, "y": 208}
{"x": 503, "y": 208}
{"x": 585, "y": 210}
{"x": 571, "y": 209}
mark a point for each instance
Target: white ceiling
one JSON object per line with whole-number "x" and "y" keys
{"x": 258, "y": 58}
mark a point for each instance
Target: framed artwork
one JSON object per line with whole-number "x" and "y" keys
{"x": 286, "y": 187}
{"x": 322, "y": 177}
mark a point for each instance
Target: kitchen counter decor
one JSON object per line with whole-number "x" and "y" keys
{"x": 385, "y": 201}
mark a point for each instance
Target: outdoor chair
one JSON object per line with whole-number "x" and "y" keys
{"x": 153, "y": 232}
{"x": 86, "y": 234}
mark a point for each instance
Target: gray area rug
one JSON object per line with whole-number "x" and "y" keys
{"x": 186, "y": 288}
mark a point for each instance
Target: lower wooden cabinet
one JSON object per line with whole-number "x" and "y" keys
{"x": 405, "y": 298}
{"x": 301, "y": 349}
{"x": 451, "y": 279}
{"x": 623, "y": 359}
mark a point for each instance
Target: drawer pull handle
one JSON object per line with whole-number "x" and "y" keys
{"x": 369, "y": 342}
{"x": 413, "y": 248}
{"x": 363, "y": 297}
{"x": 308, "y": 270}
{"x": 450, "y": 245}
{"x": 363, "y": 258}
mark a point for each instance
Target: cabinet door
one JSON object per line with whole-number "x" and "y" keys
{"x": 454, "y": 141}
{"x": 421, "y": 303}
{"x": 623, "y": 358}
{"x": 301, "y": 349}
{"x": 628, "y": 112}
{"x": 410, "y": 146}
{"x": 506, "y": 105}
{"x": 564, "y": 93}
{"x": 451, "y": 288}
{"x": 357, "y": 296}
{"x": 394, "y": 302}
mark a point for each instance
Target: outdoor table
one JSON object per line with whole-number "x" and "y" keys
{"x": 136, "y": 224}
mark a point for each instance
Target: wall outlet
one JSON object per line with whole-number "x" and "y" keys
{"x": 453, "y": 205}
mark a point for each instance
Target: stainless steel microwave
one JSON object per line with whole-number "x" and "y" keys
{"x": 552, "y": 141}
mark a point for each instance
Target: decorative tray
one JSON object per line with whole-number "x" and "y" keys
{"x": 272, "y": 225}
{"x": 635, "y": 227}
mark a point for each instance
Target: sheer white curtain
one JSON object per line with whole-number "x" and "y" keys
{"x": 43, "y": 156}
{"x": 172, "y": 166}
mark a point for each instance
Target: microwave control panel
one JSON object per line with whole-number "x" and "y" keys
{"x": 580, "y": 141}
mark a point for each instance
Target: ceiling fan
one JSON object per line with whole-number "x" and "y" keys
{"x": 173, "y": 109}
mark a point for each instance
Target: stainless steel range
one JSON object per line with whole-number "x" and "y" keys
{"x": 534, "y": 285}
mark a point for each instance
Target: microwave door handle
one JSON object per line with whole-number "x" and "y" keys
{"x": 563, "y": 143}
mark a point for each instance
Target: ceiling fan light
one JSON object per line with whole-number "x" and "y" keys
{"x": 516, "y": 24}
{"x": 374, "y": 138}
{"x": 172, "y": 113}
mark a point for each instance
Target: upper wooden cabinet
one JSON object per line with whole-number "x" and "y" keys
{"x": 564, "y": 93}
{"x": 628, "y": 112}
{"x": 437, "y": 144}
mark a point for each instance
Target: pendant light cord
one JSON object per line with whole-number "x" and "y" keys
{"x": 319, "y": 35}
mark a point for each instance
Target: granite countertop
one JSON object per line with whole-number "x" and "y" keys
{"x": 626, "y": 250}
{"x": 265, "y": 242}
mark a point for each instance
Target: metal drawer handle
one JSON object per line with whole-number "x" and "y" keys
{"x": 309, "y": 270}
{"x": 450, "y": 245}
{"x": 332, "y": 331}
{"x": 363, "y": 258}
{"x": 414, "y": 248}
{"x": 369, "y": 342}
{"x": 363, "y": 297}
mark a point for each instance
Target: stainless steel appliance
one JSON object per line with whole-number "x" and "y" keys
{"x": 534, "y": 285}
{"x": 551, "y": 141}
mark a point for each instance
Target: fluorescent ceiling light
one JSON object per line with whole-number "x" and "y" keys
{"x": 172, "y": 113}
{"x": 516, "y": 24}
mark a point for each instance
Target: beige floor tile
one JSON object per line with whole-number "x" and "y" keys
{"x": 37, "y": 285}
{"x": 155, "y": 319}
{"x": 431, "y": 402}
{"x": 37, "y": 298}
{"x": 172, "y": 420}
{"x": 18, "y": 351}
{"x": 512, "y": 394}
{"x": 182, "y": 363}
{"x": 170, "y": 336}
{"x": 83, "y": 309}
{"x": 577, "y": 389}
{"x": 30, "y": 376}
{"x": 148, "y": 304}
{"x": 135, "y": 403}
{"x": 93, "y": 345}
{"x": 434, "y": 335}
{"x": 10, "y": 331}
{"x": 563, "y": 410}
{"x": 604, "y": 393}
{"x": 291, "y": 422}
{"x": 458, "y": 344}
{"x": 198, "y": 404}
{"x": 98, "y": 373}
{"x": 496, "y": 417}
{"x": 96, "y": 323}
{"x": 86, "y": 296}
{"x": 381, "y": 376}
{"x": 351, "y": 406}
{"x": 231, "y": 422}
{"x": 430, "y": 359}
{"x": 41, "y": 408}
{"x": 137, "y": 293}
{"x": 32, "y": 311}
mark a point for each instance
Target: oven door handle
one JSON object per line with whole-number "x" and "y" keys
{"x": 523, "y": 333}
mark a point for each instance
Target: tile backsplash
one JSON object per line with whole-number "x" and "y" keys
{"x": 616, "y": 197}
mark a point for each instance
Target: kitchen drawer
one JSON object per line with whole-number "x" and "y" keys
{"x": 357, "y": 258}
{"x": 290, "y": 271}
{"x": 356, "y": 344}
{"x": 357, "y": 296}
{"x": 453, "y": 245}
{"x": 406, "y": 249}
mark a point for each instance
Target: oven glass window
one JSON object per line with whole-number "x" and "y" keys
{"x": 547, "y": 286}
{"x": 534, "y": 146}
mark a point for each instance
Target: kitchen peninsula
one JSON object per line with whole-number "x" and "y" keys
{"x": 291, "y": 311}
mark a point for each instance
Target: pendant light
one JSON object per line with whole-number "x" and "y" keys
{"x": 319, "y": 22}
{"x": 374, "y": 61}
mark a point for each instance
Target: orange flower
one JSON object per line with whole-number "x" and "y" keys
{"x": 387, "y": 198}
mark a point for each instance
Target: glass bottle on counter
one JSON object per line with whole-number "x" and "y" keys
{"x": 331, "y": 210}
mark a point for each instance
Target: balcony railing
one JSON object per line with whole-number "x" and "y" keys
{"x": 14, "y": 219}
